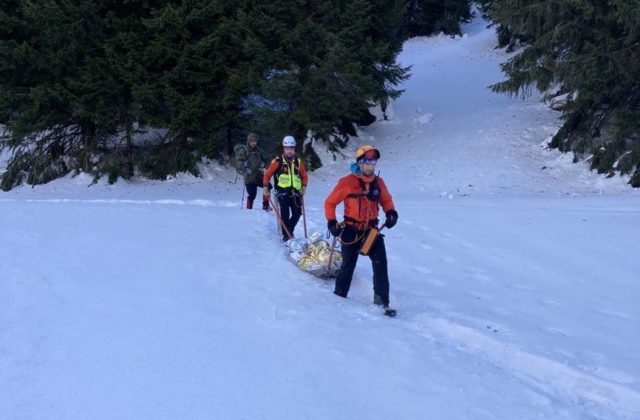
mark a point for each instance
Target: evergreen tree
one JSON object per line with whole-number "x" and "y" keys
{"x": 202, "y": 55}
{"x": 42, "y": 56}
{"x": 67, "y": 86}
{"x": 331, "y": 61}
{"x": 590, "y": 51}
{"x": 78, "y": 79}
{"x": 128, "y": 93}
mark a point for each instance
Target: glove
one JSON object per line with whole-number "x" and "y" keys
{"x": 302, "y": 190}
{"x": 266, "y": 190}
{"x": 392, "y": 218}
{"x": 334, "y": 228}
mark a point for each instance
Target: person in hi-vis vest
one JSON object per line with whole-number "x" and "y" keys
{"x": 290, "y": 181}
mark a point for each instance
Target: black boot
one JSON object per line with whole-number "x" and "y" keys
{"x": 249, "y": 204}
{"x": 389, "y": 311}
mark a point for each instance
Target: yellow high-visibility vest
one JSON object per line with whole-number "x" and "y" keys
{"x": 290, "y": 178}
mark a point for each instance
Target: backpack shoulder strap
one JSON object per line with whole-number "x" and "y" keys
{"x": 370, "y": 193}
{"x": 374, "y": 191}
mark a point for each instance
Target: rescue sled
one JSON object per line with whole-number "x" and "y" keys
{"x": 315, "y": 255}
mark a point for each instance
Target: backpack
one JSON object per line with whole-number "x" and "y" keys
{"x": 240, "y": 157}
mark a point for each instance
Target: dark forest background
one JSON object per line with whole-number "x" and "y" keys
{"x": 124, "y": 88}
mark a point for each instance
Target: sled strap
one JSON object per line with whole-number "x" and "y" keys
{"x": 304, "y": 216}
{"x": 277, "y": 212}
{"x": 333, "y": 247}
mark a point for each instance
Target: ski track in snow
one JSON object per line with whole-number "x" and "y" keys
{"x": 553, "y": 378}
{"x": 546, "y": 375}
{"x": 598, "y": 397}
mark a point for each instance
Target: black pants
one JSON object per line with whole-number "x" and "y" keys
{"x": 290, "y": 210}
{"x": 378, "y": 256}
{"x": 252, "y": 190}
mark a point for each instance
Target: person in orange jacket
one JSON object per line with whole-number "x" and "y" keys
{"x": 290, "y": 180}
{"x": 362, "y": 193}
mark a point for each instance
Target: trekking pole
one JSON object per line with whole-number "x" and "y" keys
{"x": 277, "y": 212}
{"x": 242, "y": 198}
{"x": 304, "y": 216}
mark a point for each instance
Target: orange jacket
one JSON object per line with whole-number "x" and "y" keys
{"x": 358, "y": 206}
{"x": 277, "y": 165}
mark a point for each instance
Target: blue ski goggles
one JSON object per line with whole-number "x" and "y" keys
{"x": 369, "y": 161}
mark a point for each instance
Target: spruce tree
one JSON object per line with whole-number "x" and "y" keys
{"x": 68, "y": 88}
{"x": 79, "y": 79}
{"x": 42, "y": 55}
{"x": 590, "y": 51}
{"x": 196, "y": 51}
{"x": 331, "y": 61}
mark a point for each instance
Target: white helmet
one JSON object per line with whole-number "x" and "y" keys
{"x": 289, "y": 141}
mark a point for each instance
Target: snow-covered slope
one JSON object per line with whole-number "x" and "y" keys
{"x": 513, "y": 271}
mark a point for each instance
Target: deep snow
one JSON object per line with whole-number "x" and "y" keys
{"x": 514, "y": 271}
